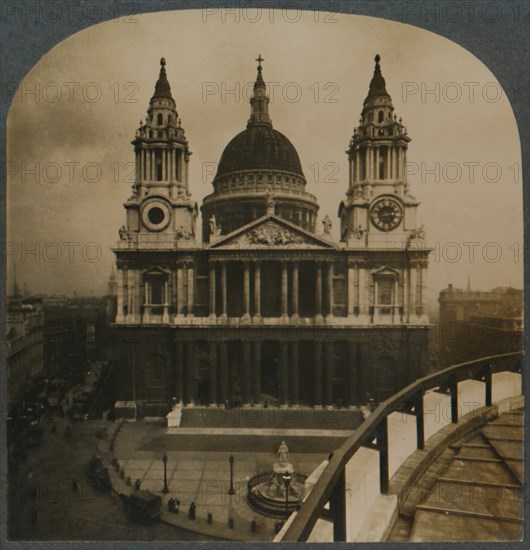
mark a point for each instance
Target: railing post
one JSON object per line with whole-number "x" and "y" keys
{"x": 337, "y": 507}
{"x": 487, "y": 380}
{"x": 453, "y": 388}
{"x": 382, "y": 445}
{"x": 420, "y": 427}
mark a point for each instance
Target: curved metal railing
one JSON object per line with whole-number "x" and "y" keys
{"x": 330, "y": 487}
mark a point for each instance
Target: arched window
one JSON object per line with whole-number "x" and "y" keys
{"x": 160, "y": 119}
{"x": 380, "y": 116}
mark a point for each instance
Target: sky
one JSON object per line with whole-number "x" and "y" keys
{"x": 72, "y": 120}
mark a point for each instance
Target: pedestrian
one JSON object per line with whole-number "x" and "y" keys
{"x": 75, "y": 486}
{"x": 137, "y": 484}
{"x": 177, "y": 504}
{"x": 171, "y": 505}
{"x": 191, "y": 511}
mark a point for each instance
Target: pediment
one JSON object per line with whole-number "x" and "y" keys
{"x": 385, "y": 270}
{"x": 274, "y": 232}
{"x": 155, "y": 271}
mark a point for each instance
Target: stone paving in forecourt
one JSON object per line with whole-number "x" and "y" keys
{"x": 203, "y": 477}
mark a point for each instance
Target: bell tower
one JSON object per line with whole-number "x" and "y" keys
{"x": 160, "y": 213}
{"x": 379, "y": 211}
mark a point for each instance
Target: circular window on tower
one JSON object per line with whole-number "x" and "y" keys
{"x": 156, "y": 215}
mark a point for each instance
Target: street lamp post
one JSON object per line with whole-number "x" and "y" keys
{"x": 164, "y": 460}
{"x": 287, "y": 481}
{"x": 231, "y": 490}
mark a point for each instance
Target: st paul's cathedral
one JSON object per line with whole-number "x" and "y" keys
{"x": 265, "y": 308}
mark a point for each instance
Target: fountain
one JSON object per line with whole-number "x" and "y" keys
{"x": 267, "y": 492}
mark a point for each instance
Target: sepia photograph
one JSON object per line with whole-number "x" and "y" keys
{"x": 263, "y": 271}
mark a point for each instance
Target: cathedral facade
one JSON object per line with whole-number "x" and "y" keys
{"x": 263, "y": 308}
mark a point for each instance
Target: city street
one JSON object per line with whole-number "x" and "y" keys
{"x": 62, "y": 514}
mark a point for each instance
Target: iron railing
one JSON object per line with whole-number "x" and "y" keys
{"x": 373, "y": 433}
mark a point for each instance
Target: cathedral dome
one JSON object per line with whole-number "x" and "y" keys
{"x": 257, "y": 166}
{"x": 259, "y": 147}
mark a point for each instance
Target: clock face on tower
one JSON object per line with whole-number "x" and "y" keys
{"x": 386, "y": 214}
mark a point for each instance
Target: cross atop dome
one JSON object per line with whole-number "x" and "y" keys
{"x": 259, "y": 101}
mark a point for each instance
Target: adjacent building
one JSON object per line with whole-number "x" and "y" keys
{"x": 266, "y": 308}
{"x": 475, "y": 323}
{"x": 24, "y": 350}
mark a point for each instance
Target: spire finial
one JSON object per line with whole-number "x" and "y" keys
{"x": 163, "y": 61}
{"x": 259, "y": 100}
{"x": 377, "y": 59}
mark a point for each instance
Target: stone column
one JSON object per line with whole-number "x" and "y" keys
{"x": 318, "y": 373}
{"x": 329, "y": 290}
{"x": 357, "y": 167}
{"x": 352, "y": 373}
{"x": 284, "y": 316}
{"x": 246, "y": 373}
{"x": 295, "y": 317}
{"x": 295, "y": 365}
{"x": 223, "y": 292}
{"x": 212, "y": 372}
{"x": 376, "y": 164}
{"x": 191, "y": 393}
{"x": 130, "y": 295}
{"x": 119, "y": 296}
{"x": 165, "y": 314}
{"x": 318, "y": 294}
{"x": 137, "y": 296}
{"x": 224, "y": 372}
{"x": 284, "y": 376}
{"x": 363, "y": 295}
{"x": 147, "y": 308}
{"x": 257, "y": 291}
{"x": 246, "y": 292}
{"x": 179, "y": 290}
{"x": 422, "y": 289}
{"x": 179, "y": 377}
{"x": 212, "y": 291}
{"x": 330, "y": 367}
{"x": 164, "y": 174}
{"x": 190, "y": 290}
{"x": 412, "y": 287}
{"x": 350, "y": 290}
{"x": 186, "y": 167}
{"x": 257, "y": 371}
